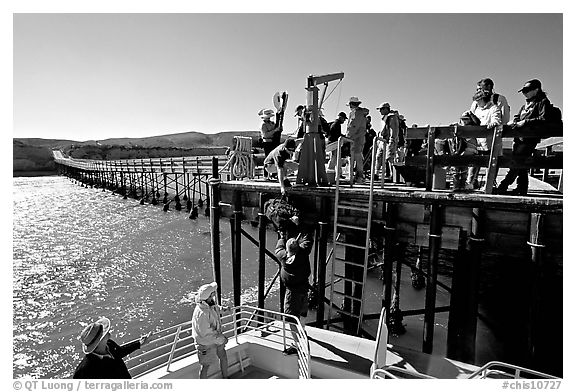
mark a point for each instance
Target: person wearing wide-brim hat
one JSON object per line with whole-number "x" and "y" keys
{"x": 103, "y": 357}
{"x": 269, "y": 132}
{"x": 356, "y": 131}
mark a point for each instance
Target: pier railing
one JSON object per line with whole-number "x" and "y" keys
{"x": 493, "y": 161}
{"x": 165, "y": 180}
{"x": 195, "y": 164}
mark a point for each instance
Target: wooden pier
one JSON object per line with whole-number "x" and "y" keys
{"x": 524, "y": 231}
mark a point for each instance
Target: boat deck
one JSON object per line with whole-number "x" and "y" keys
{"x": 355, "y": 354}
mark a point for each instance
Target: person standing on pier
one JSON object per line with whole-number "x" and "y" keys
{"x": 207, "y": 330}
{"x": 300, "y": 115}
{"x": 537, "y": 109}
{"x": 333, "y": 136}
{"x": 390, "y": 133}
{"x": 293, "y": 250}
{"x": 356, "y": 131}
{"x": 103, "y": 355}
{"x": 269, "y": 132}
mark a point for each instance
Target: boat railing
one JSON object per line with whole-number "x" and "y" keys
{"x": 394, "y": 372}
{"x": 496, "y": 369}
{"x": 176, "y": 342}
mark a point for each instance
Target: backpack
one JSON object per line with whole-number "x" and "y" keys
{"x": 555, "y": 115}
{"x": 402, "y": 127}
{"x": 495, "y": 98}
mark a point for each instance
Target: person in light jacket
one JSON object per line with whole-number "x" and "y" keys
{"x": 356, "y": 131}
{"x": 207, "y": 330}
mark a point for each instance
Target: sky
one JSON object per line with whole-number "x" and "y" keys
{"x": 86, "y": 76}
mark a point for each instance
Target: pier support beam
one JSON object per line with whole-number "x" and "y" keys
{"x": 262, "y": 223}
{"x": 461, "y": 342}
{"x": 389, "y": 250}
{"x": 215, "y": 225}
{"x": 537, "y": 278}
{"x": 435, "y": 237}
{"x": 321, "y": 278}
{"x": 236, "y": 238}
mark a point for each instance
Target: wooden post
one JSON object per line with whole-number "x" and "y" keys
{"x": 261, "y": 251}
{"x": 430, "y": 157}
{"x": 536, "y": 276}
{"x": 236, "y": 237}
{"x": 495, "y": 151}
{"x": 435, "y": 236}
{"x": 461, "y": 343}
{"x": 215, "y": 226}
{"x": 321, "y": 281}
{"x": 389, "y": 247}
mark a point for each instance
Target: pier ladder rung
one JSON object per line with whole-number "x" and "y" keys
{"x": 350, "y": 245}
{"x": 348, "y": 313}
{"x": 348, "y": 279}
{"x": 351, "y": 227}
{"x": 352, "y": 263}
{"x": 347, "y": 296}
{"x": 355, "y": 208}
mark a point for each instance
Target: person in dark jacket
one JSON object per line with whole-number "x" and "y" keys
{"x": 333, "y": 134}
{"x": 536, "y": 110}
{"x": 103, "y": 355}
{"x": 293, "y": 250}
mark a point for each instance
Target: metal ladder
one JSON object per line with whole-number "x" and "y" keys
{"x": 341, "y": 245}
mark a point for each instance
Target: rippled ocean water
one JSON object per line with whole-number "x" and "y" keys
{"x": 80, "y": 253}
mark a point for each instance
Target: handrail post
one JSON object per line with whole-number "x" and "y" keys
{"x": 176, "y": 338}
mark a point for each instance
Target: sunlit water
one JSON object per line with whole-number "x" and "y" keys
{"x": 81, "y": 253}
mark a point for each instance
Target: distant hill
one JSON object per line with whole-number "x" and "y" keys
{"x": 33, "y": 156}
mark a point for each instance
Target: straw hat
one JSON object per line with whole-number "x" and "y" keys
{"x": 93, "y": 334}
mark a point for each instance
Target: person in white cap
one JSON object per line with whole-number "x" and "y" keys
{"x": 356, "y": 131}
{"x": 103, "y": 355}
{"x": 207, "y": 330}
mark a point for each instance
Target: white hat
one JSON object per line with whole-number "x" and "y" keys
{"x": 205, "y": 291}
{"x": 266, "y": 113}
{"x": 354, "y": 100}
